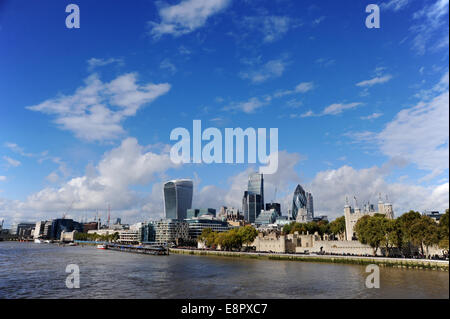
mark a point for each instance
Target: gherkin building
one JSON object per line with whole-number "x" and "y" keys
{"x": 299, "y": 201}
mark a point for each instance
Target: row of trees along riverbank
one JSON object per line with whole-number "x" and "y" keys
{"x": 402, "y": 234}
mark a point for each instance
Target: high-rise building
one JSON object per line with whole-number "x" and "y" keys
{"x": 256, "y": 186}
{"x": 309, "y": 206}
{"x": 253, "y": 200}
{"x": 299, "y": 204}
{"x": 177, "y": 198}
{"x": 251, "y": 206}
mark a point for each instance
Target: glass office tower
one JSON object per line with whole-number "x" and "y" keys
{"x": 253, "y": 200}
{"x": 299, "y": 201}
{"x": 177, "y": 198}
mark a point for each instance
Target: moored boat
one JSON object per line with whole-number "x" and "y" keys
{"x": 102, "y": 247}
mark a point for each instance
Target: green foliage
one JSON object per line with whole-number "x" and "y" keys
{"x": 443, "y": 231}
{"x": 337, "y": 226}
{"x": 322, "y": 227}
{"x": 231, "y": 239}
{"x": 96, "y": 237}
{"x": 409, "y": 229}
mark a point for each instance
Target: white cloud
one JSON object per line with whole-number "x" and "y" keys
{"x": 186, "y": 16}
{"x": 300, "y": 88}
{"x": 372, "y": 116}
{"x": 331, "y": 187}
{"x": 418, "y": 134}
{"x": 394, "y": 5}
{"x": 110, "y": 181}
{"x": 11, "y": 161}
{"x": 169, "y": 66}
{"x": 94, "y": 62}
{"x": 17, "y": 149}
{"x": 338, "y": 108}
{"x": 376, "y": 80}
{"x": 272, "y": 69}
{"x": 248, "y": 107}
{"x": 432, "y": 21}
{"x": 2, "y": 178}
{"x": 272, "y": 27}
{"x": 95, "y": 111}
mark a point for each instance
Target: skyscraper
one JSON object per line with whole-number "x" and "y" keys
{"x": 253, "y": 200}
{"x": 256, "y": 186}
{"x": 299, "y": 202}
{"x": 177, "y": 198}
{"x": 309, "y": 206}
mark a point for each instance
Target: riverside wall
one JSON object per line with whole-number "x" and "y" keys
{"x": 380, "y": 261}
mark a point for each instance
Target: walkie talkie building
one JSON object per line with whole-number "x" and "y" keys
{"x": 177, "y": 198}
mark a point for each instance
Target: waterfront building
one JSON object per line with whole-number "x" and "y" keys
{"x": 63, "y": 224}
{"x": 39, "y": 229}
{"x": 352, "y": 215}
{"x": 198, "y": 224}
{"x": 308, "y": 243}
{"x": 177, "y": 198}
{"x": 89, "y": 226}
{"x": 171, "y": 231}
{"x": 130, "y": 236}
{"x": 23, "y": 229}
{"x": 195, "y": 212}
{"x": 68, "y": 237}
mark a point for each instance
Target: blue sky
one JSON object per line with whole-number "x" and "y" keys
{"x": 86, "y": 114}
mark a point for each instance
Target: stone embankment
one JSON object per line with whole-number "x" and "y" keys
{"x": 381, "y": 261}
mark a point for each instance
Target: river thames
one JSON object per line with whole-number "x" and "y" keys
{"x": 29, "y": 270}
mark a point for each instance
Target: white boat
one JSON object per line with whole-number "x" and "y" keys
{"x": 101, "y": 247}
{"x": 37, "y": 241}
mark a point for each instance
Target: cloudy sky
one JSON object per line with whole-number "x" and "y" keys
{"x": 86, "y": 114}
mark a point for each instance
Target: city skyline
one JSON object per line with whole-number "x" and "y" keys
{"x": 86, "y": 118}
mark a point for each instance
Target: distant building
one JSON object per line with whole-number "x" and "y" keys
{"x": 195, "y": 212}
{"x": 68, "y": 237}
{"x": 266, "y": 217}
{"x": 309, "y": 206}
{"x": 275, "y": 206}
{"x": 66, "y": 225}
{"x": 352, "y": 215}
{"x": 23, "y": 229}
{"x": 253, "y": 200}
{"x": 251, "y": 206}
{"x": 433, "y": 214}
{"x": 198, "y": 224}
{"x": 171, "y": 231}
{"x": 89, "y": 226}
{"x": 230, "y": 214}
{"x": 177, "y": 198}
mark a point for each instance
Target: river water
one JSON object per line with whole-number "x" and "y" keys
{"x": 29, "y": 270}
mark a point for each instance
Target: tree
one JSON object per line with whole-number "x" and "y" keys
{"x": 443, "y": 231}
{"x": 370, "y": 231}
{"x": 406, "y": 221}
{"x": 337, "y": 227}
{"x": 424, "y": 233}
{"x": 248, "y": 234}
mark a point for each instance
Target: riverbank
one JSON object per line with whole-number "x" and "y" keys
{"x": 441, "y": 265}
